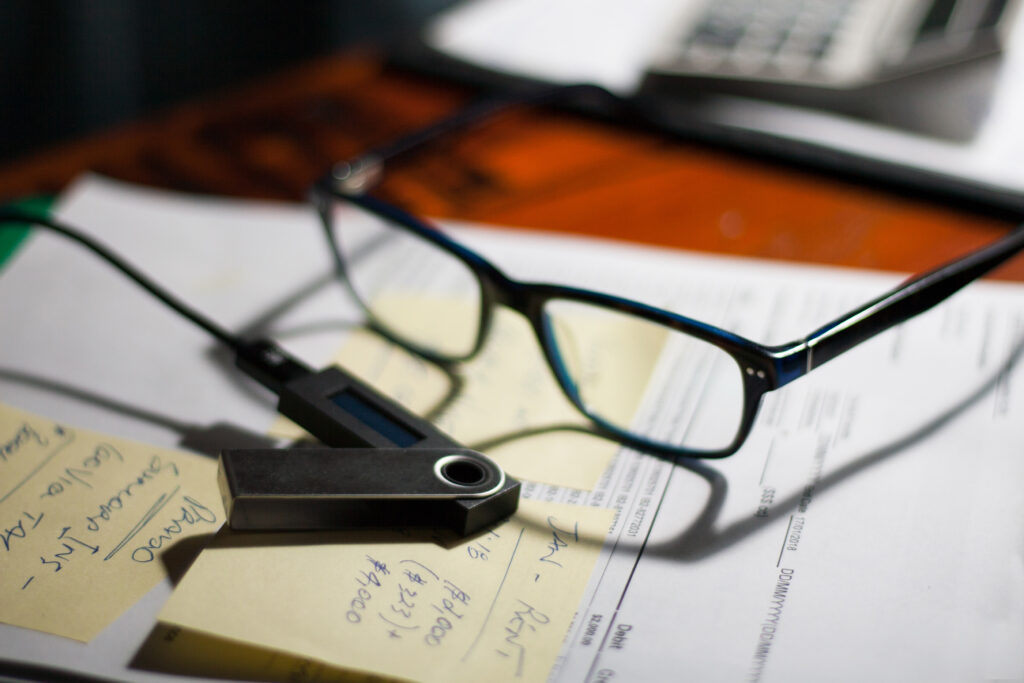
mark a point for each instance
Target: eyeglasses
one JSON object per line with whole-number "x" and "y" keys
{"x": 614, "y": 358}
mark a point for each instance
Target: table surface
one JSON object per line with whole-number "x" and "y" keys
{"x": 536, "y": 170}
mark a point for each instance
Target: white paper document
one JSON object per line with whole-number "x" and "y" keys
{"x": 869, "y": 530}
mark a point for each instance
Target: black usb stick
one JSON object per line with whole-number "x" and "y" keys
{"x": 383, "y": 466}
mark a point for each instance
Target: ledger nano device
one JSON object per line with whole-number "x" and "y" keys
{"x": 383, "y": 466}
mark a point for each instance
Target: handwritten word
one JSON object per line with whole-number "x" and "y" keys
{"x": 364, "y": 593}
{"x": 71, "y": 476}
{"x": 59, "y": 558}
{"x": 405, "y": 602}
{"x": 24, "y": 436}
{"x": 18, "y": 530}
{"x": 117, "y": 500}
{"x": 400, "y": 614}
{"x": 477, "y": 550}
{"x": 442, "y": 624}
{"x": 403, "y": 605}
{"x": 559, "y": 539}
{"x": 455, "y": 595}
{"x": 190, "y": 514}
{"x": 526, "y": 618}
{"x": 78, "y": 475}
{"x": 62, "y": 556}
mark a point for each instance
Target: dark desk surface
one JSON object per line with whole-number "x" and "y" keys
{"x": 272, "y": 138}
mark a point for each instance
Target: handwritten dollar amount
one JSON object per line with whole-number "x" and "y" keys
{"x": 407, "y": 599}
{"x": 425, "y": 599}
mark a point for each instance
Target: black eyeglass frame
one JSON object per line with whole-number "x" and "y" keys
{"x": 763, "y": 368}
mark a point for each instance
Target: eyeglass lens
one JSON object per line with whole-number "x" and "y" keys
{"x": 645, "y": 378}
{"x": 621, "y": 369}
{"x": 414, "y": 290}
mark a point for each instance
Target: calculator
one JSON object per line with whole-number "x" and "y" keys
{"x": 839, "y": 44}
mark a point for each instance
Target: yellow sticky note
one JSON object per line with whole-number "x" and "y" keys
{"x": 86, "y": 520}
{"x": 178, "y": 651}
{"x": 495, "y": 606}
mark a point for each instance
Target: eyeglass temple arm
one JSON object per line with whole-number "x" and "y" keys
{"x": 914, "y": 296}
{"x": 358, "y": 175}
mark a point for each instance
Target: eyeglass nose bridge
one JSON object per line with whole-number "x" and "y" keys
{"x": 526, "y": 298}
{"x": 508, "y": 292}
{"x": 498, "y": 289}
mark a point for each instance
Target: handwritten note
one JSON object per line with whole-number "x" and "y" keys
{"x": 507, "y": 405}
{"x": 86, "y": 519}
{"x": 494, "y": 607}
